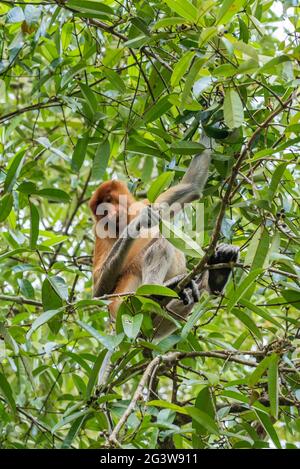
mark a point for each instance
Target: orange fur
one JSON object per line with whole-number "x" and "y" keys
{"x": 130, "y": 272}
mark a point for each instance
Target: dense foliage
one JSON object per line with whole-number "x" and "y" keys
{"x": 95, "y": 89}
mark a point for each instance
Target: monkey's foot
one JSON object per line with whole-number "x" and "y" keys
{"x": 224, "y": 254}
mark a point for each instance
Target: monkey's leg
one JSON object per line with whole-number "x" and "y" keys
{"x": 128, "y": 283}
{"x": 157, "y": 261}
{"x": 175, "y": 308}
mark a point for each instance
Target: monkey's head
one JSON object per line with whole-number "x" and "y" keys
{"x": 109, "y": 205}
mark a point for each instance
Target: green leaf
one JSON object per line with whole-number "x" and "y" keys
{"x": 228, "y": 9}
{"x": 116, "y": 81}
{"x": 14, "y": 170}
{"x": 159, "y": 185}
{"x": 26, "y": 288}
{"x": 269, "y": 66}
{"x": 260, "y": 312}
{"x": 50, "y": 298}
{"x": 83, "y": 303}
{"x": 79, "y": 152}
{"x": 249, "y": 323}
{"x": 75, "y": 427}
{"x": 187, "y": 148}
{"x": 244, "y": 31}
{"x": 157, "y": 110}
{"x": 91, "y": 8}
{"x": 292, "y": 297}
{"x": 207, "y": 34}
{"x": 259, "y": 371}
{"x": 137, "y": 42}
{"x": 276, "y": 178}
{"x": 246, "y": 49}
{"x": 143, "y": 150}
{"x": 7, "y": 392}
{"x": 181, "y": 67}
{"x": 42, "y": 319}
{"x": 190, "y": 80}
{"x": 205, "y": 404}
{"x": 168, "y": 405}
{"x": 249, "y": 66}
{"x": 198, "y": 311}
{"x": 225, "y": 70}
{"x": 215, "y": 132}
{"x": 27, "y": 187}
{"x": 94, "y": 373}
{"x": 100, "y": 160}
{"x": 165, "y": 22}
{"x": 132, "y": 325}
{"x": 184, "y": 8}
{"x": 60, "y": 286}
{"x": 67, "y": 77}
{"x": 273, "y": 384}
{"x": 109, "y": 342}
{"x": 262, "y": 249}
{"x": 6, "y": 204}
{"x": 204, "y": 420}
{"x": 140, "y": 25}
{"x": 156, "y": 290}
{"x": 70, "y": 418}
{"x": 34, "y": 225}
{"x": 54, "y": 195}
{"x": 267, "y": 424}
{"x": 180, "y": 239}
{"x": 89, "y": 97}
{"x": 233, "y": 109}
{"x": 242, "y": 289}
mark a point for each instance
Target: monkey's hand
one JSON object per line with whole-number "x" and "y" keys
{"x": 191, "y": 293}
{"x": 224, "y": 254}
{"x": 148, "y": 218}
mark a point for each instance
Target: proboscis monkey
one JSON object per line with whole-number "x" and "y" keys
{"x": 129, "y": 251}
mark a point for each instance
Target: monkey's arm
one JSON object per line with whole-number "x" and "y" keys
{"x": 107, "y": 276}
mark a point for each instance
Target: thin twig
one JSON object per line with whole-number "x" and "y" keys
{"x": 113, "y": 438}
{"x": 20, "y": 300}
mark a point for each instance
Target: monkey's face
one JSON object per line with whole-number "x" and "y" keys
{"x": 110, "y": 206}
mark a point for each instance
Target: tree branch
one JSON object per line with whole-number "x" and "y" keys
{"x": 170, "y": 359}
{"x": 227, "y": 196}
{"x": 20, "y": 300}
{"x": 113, "y": 438}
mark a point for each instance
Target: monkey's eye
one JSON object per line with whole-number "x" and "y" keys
{"x": 107, "y": 198}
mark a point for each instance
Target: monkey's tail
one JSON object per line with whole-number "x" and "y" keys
{"x": 192, "y": 184}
